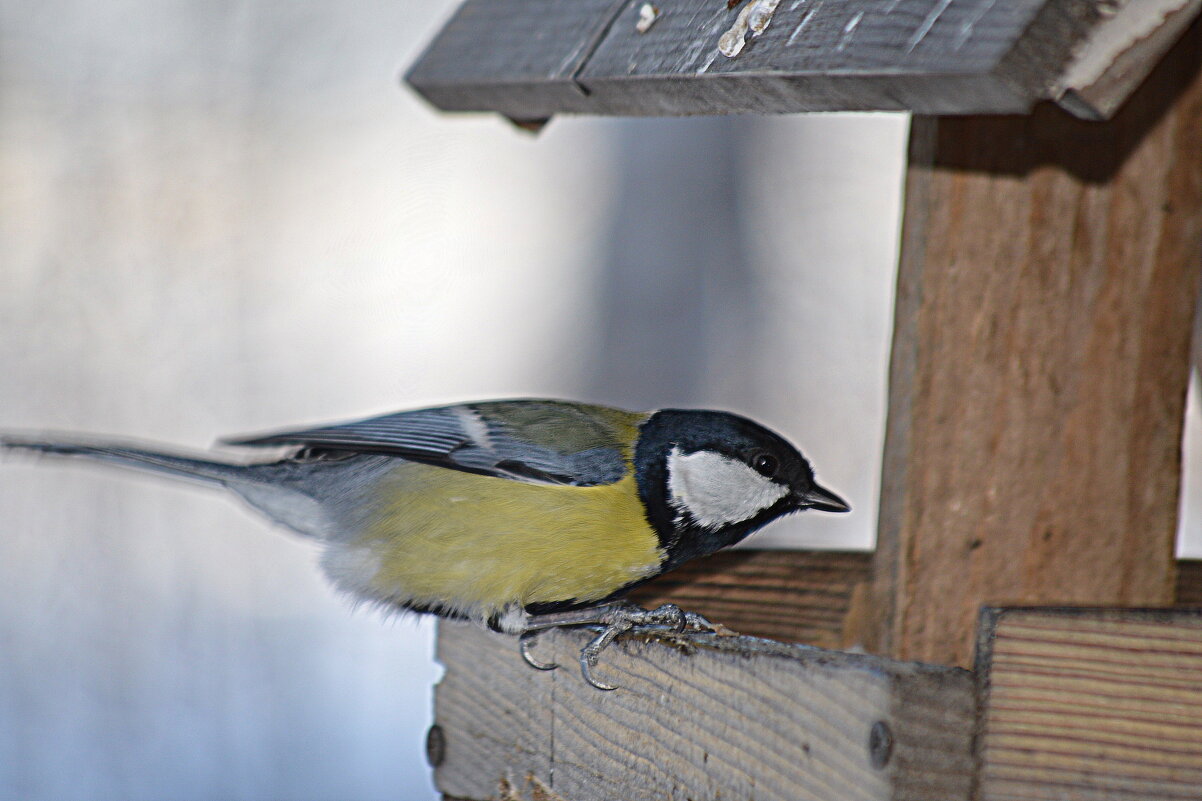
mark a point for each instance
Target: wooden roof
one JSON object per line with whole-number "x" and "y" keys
{"x": 531, "y": 59}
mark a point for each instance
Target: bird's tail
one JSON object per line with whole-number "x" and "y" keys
{"x": 203, "y": 470}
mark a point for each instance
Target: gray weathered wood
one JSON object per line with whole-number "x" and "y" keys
{"x": 731, "y": 717}
{"x": 524, "y": 53}
{"x": 529, "y": 59}
{"x": 1120, "y": 52}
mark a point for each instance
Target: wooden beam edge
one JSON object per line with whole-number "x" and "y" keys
{"x": 1119, "y": 54}
{"x": 600, "y": 64}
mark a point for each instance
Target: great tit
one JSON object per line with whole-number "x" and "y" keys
{"x": 517, "y": 514}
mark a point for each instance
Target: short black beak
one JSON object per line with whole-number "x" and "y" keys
{"x": 823, "y": 500}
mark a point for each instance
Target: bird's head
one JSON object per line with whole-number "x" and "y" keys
{"x": 708, "y": 479}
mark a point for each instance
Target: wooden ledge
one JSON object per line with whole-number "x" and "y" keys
{"x": 728, "y": 717}
{"x": 1096, "y": 704}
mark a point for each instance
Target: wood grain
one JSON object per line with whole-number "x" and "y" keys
{"x": 1091, "y": 705}
{"x": 792, "y": 596}
{"x": 729, "y": 717}
{"x": 520, "y": 57}
{"x": 1041, "y": 347}
{"x": 800, "y": 596}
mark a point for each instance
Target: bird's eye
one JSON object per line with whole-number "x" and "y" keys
{"x": 765, "y": 464}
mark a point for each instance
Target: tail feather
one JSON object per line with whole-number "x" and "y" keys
{"x": 204, "y": 470}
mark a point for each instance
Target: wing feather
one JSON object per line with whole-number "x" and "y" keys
{"x": 552, "y": 442}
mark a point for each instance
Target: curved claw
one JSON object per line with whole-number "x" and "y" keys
{"x": 524, "y": 642}
{"x": 616, "y": 623}
{"x": 587, "y": 662}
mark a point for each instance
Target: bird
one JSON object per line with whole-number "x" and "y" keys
{"x": 520, "y": 515}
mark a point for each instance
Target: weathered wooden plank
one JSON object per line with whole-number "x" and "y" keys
{"x": 729, "y": 717}
{"x": 1041, "y": 349}
{"x": 1090, "y": 704}
{"x": 1120, "y": 52}
{"x": 525, "y": 53}
{"x": 792, "y": 596}
{"x": 936, "y": 57}
{"x": 533, "y": 58}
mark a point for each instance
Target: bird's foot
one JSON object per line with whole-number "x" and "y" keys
{"x": 614, "y": 620}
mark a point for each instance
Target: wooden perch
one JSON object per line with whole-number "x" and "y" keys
{"x": 530, "y": 59}
{"x": 1093, "y": 704}
{"x": 725, "y": 717}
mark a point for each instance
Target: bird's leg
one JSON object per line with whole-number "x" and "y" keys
{"x": 537, "y": 624}
{"x": 615, "y": 619}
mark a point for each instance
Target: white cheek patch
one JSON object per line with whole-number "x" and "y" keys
{"x": 716, "y": 490}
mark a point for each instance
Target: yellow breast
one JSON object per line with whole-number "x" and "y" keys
{"x": 477, "y": 544}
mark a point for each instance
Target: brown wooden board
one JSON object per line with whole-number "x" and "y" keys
{"x": 800, "y": 596}
{"x": 1090, "y": 705}
{"x": 1049, "y": 271}
{"x": 792, "y": 596}
{"x": 724, "y": 718}
{"x": 1189, "y": 582}
{"x": 529, "y": 59}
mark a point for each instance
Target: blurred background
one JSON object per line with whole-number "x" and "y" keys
{"x": 222, "y": 216}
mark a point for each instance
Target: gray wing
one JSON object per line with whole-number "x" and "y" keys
{"x": 497, "y": 438}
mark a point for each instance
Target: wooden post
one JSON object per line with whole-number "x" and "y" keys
{"x": 1046, "y": 291}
